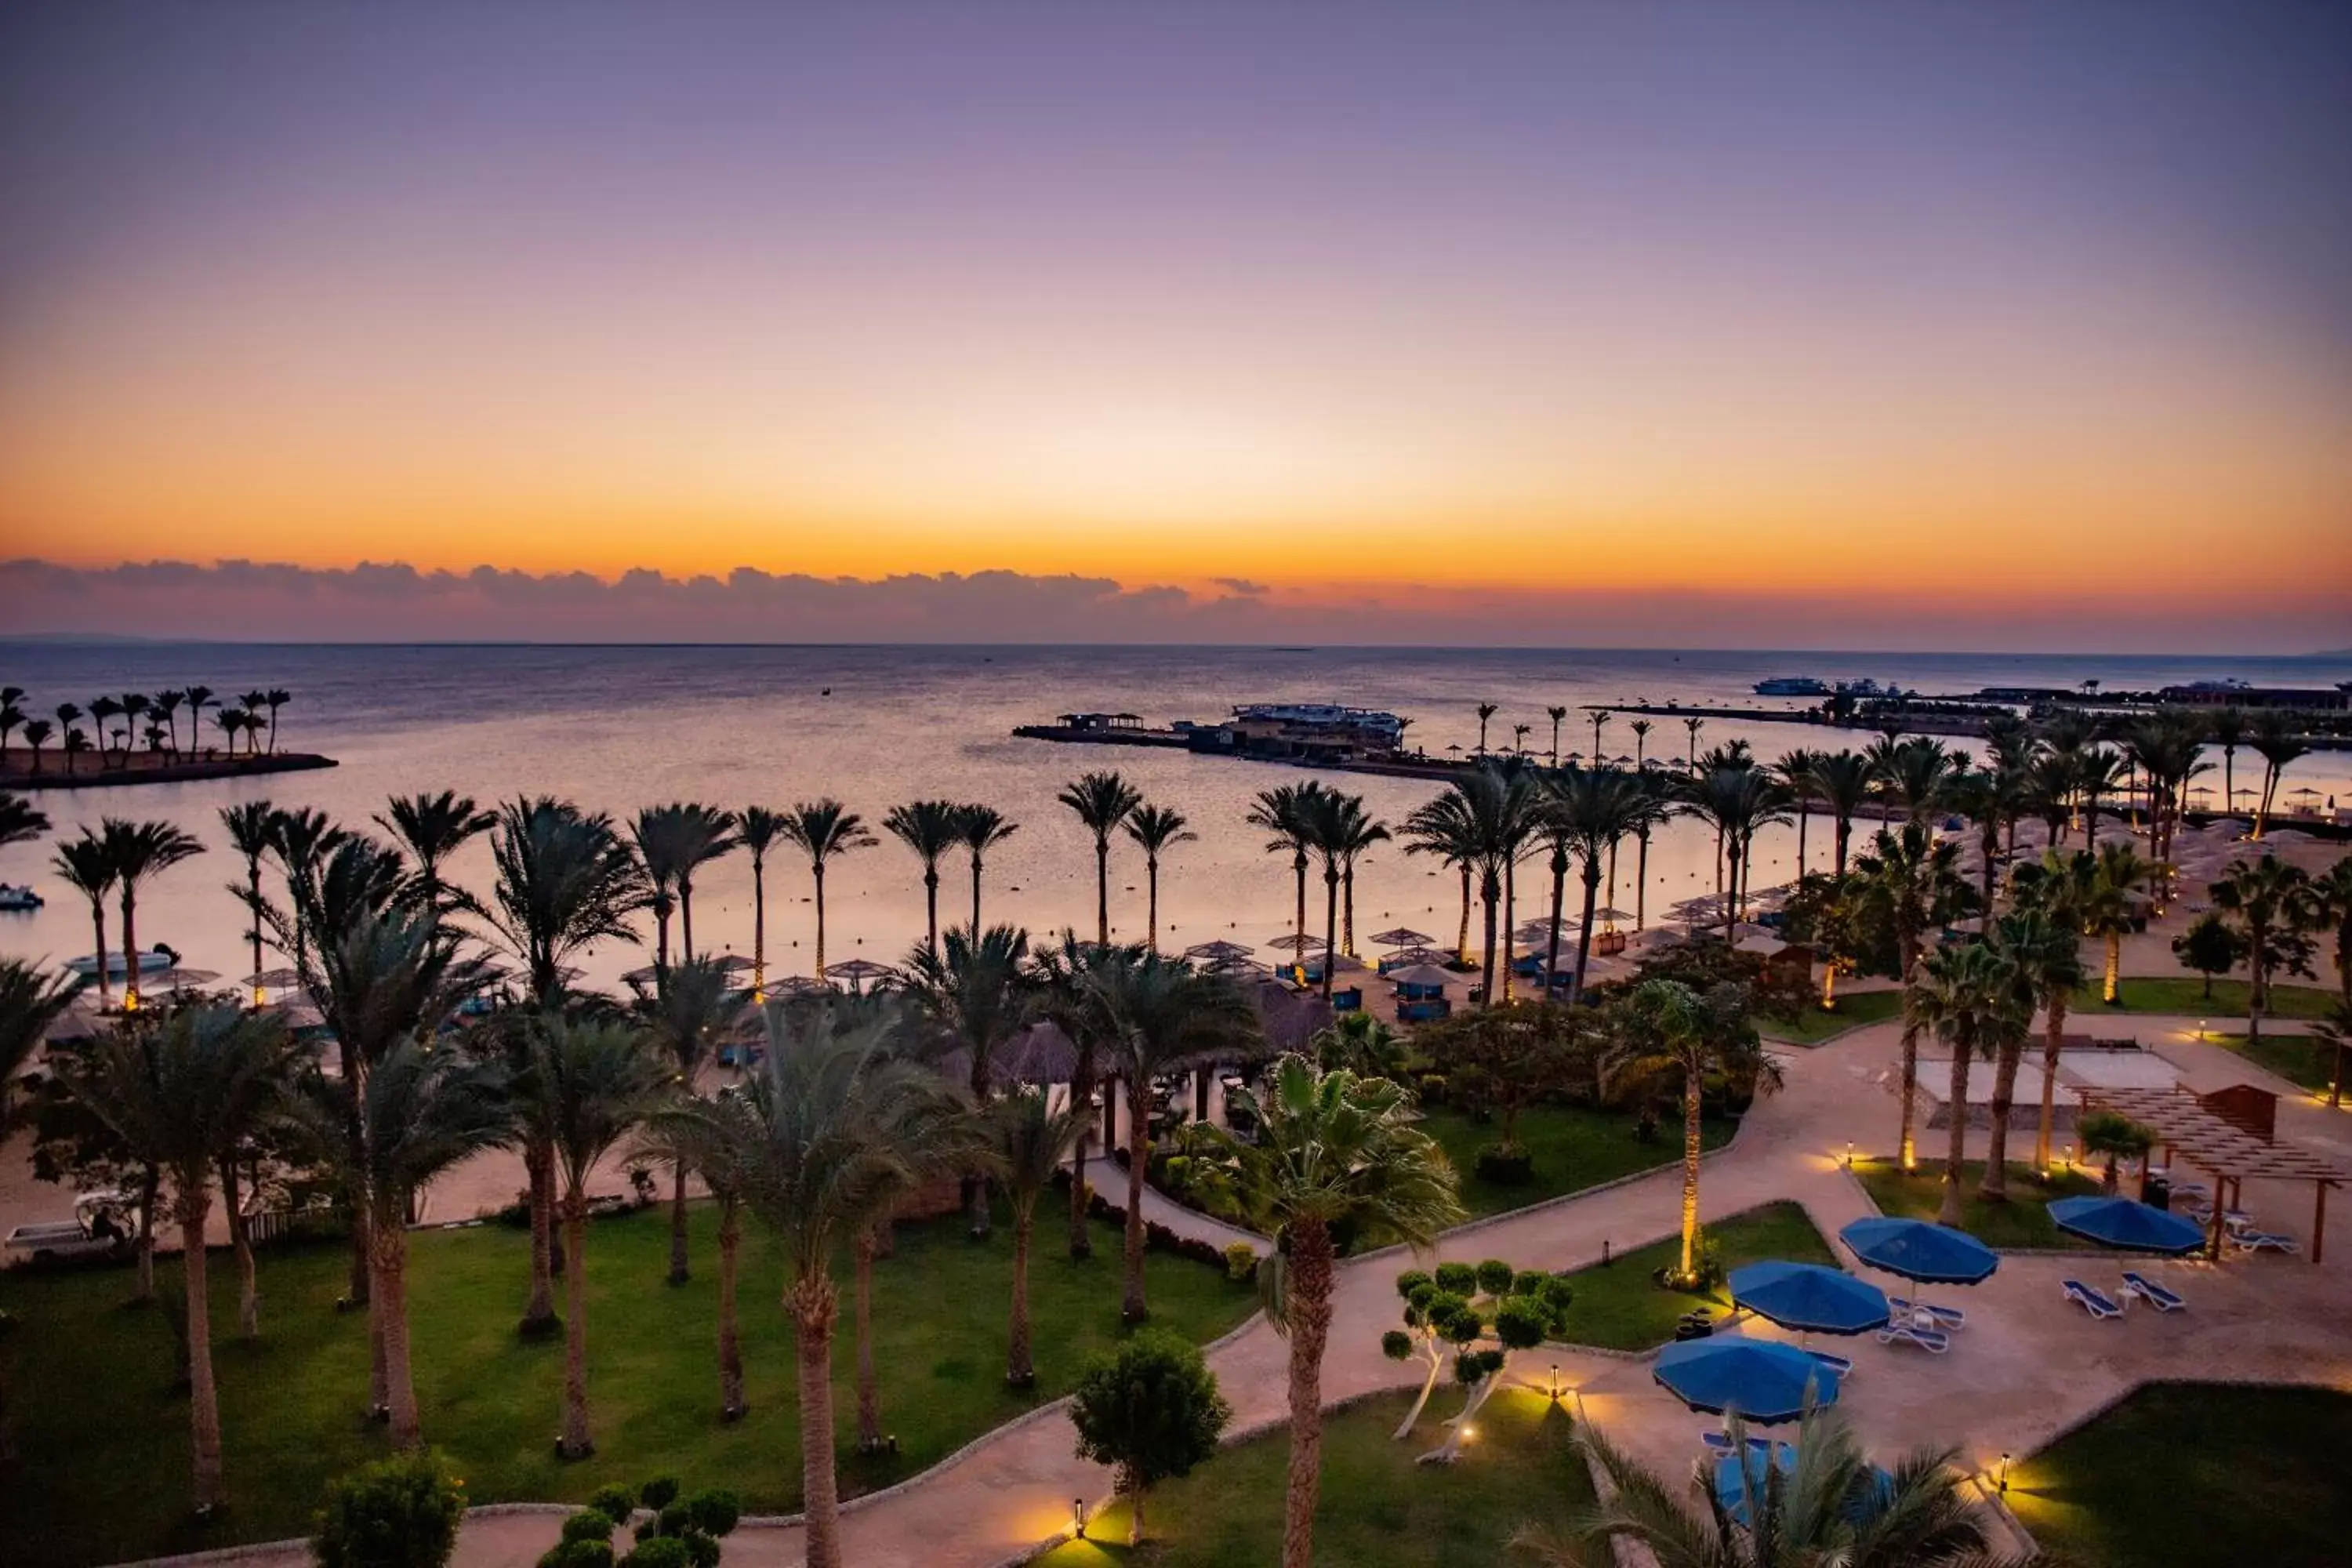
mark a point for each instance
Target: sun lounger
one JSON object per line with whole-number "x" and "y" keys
{"x": 2090, "y": 1300}
{"x": 1935, "y": 1342}
{"x": 2149, "y": 1291}
{"x": 1836, "y": 1363}
{"x": 2263, "y": 1241}
{"x": 1947, "y": 1320}
{"x": 1720, "y": 1442}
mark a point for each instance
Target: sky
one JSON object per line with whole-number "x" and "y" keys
{"x": 1519, "y": 321}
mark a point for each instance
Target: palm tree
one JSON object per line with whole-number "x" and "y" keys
{"x": 1282, "y": 813}
{"x": 2264, "y": 901}
{"x": 1986, "y": 796}
{"x": 590, "y": 1084}
{"x": 1485, "y": 711}
{"x": 1482, "y": 821}
{"x": 1155, "y": 828}
{"x": 275, "y": 699}
{"x": 1519, "y": 733}
{"x": 1669, "y": 1031}
{"x": 299, "y": 838}
{"x": 2277, "y": 747}
{"x": 1694, "y": 725}
{"x": 36, "y": 735}
{"x": 1971, "y": 997}
{"x": 1831, "y": 1507}
{"x": 253, "y": 702}
{"x": 977, "y": 995}
{"x": 2113, "y": 910}
{"x": 1064, "y": 976}
{"x": 1842, "y": 780}
{"x": 758, "y": 828}
{"x": 695, "y": 1007}
{"x": 1641, "y": 728}
{"x": 1587, "y": 812}
{"x": 2229, "y": 732}
{"x": 836, "y": 1123}
{"x": 169, "y": 703}
{"x": 1333, "y": 1153}
{"x": 1737, "y": 801}
{"x": 663, "y": 838}
{"x": 2098, "y": 774}
{"x": 179, "y": 1093}
{"x": 199, "y": 699}
{"x": 1913, "y": 885}
{"x": 1101, "y": 801}
{"x": 1338, "y": 829}
{"x": 11, "y": 715}
{"x": 982, "y": 828}
{"x": 420, "y": 1111}
{"x": 21, "y": 821}
{"x": 1555, "y": 713}
{"x": 103, "y": 712}
{"x": 930, "y": 829}
{"x": 230, "y": 722}
{"x": 1025, "y": 1144}
{"x": 824, "y": 829}
{"x": 140, "y": 850}
{"x": 711, "y": 1136}
{"x": 2332, "y": 893}
{"x": 2041, "y": 945}
{"x": 431, "y": 828}
{"x": 1795, "y": 773}
{"x": 86, "y": 865}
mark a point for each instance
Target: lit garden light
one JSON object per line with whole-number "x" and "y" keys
{"x": 1078, "y": 1519}
{"x": 2002, "y": 1484}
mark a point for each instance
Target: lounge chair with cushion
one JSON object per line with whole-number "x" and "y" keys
{"x": 1949, "y": 1320}
{"x": 1935, "y": 1342}
{"x": 1836, "y": 1363}
{"x": 2251, "y": 1240}
{"x": 2090, "y": 1300}
{"x": 2149, "y": 1291}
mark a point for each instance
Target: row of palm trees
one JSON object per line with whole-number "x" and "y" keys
{"x": 121, "y": 721}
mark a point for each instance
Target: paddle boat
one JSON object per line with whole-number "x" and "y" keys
{"x": 152, "y": 960}
{"x": 18, "y": 900}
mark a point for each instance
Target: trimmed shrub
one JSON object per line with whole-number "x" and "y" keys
{"x": 1241, "y": 1262}
{"x": 660, "y": 1552}
{"x": 1456, "y": 1279}
{"x": 1495, "y": 1276}
{"x": 615, "y": 1502}
{"x": 1504, "y": 1165}
{"x": 400, "y": 1512}
{"x": 659, "y": 1493}
{"x": 588, "y": 1524}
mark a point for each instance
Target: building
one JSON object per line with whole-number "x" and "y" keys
{"x": 1302, "y": 732}
{"x": 2235, "y": 694}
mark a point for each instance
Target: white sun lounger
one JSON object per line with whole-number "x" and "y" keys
{"x": 2090, "y": 1299}
{"x": 2149, "y": 1291}
{"x": 1949, "y": 1320}
{"x": 1935, "y": 1342}
{"x": 2263, "y": 1241}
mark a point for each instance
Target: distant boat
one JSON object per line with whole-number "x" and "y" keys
{"x": 1792, "y": 686}
{"x": 153, "y": 961}
{"x": 18, "y": 901}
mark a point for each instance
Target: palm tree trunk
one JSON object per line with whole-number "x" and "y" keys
{"x": 539, "y": 1310}
{"x": 975, "y": 894}
{"x": 130, "y": 949}
{"x": 1490, "y": 893}
{"x": 759, "y": 930}
{"x": 1907, "y": 947}
{"x": 1309, "y": 1313}
{"x": 1642, "y": 882}
{"x": 931, "y": 904}
{"x": 253, "y": 885}
{"x": 730, "y": 1338}
{"x": 1134, "y": 1490}
{"x": 678, "y": 1259}
{"x": 1330, "y": 927}
{"x": 1690, "y": 1171}
{"x": 240, "y": 1239}
{"x": 1102, "y": 892}
{"x": 817, "y": 868}
{"x": 1994, "y": 1188}
{"x": 1844, "y": 838}
{"x": 1510, "y": 891}
{"x": 1152, "y": 902}
{"x": 1558, "y": 900}
{"x": 1953, "y": 1211}
{"x": 389, "y": 1252}
{"x": 2114, "y": 969}
{"x": 1082, "y": 1088}
{"x": 1585, "y": 933}
{"x": 1731, "y": 900}
{"x": 1462, "y": 941}
{"x": 869, "y": 1387}
{"x": 2056, "y": 1001}
{"x": 661, "y": 939}
{"x": 1133, "y": 1308}
{"x": 685, "y": 924}
{"x": 575, "y": 1444}
{"x": 1020, "y": 1371}
{"x": 97, "y": 929}
{"x": 150, "y": 1188}
{"x": 813, "y": 1306}
{"x": 203, "y": 1398}
{"x": 1803, "y": 816}
{"x": 1299, "y": 873}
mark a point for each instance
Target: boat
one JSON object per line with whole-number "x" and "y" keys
{"x": 153, "y": 961}
{"x": 1792, "y": 686}
{"x": 18, "y": 901}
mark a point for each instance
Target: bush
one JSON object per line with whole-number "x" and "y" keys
{"x": 714, "y": 1512}
{"x": 1433, "y": 1088}
{"x": 578, "y": 1555}
{"x": 615, "y": 1502}
{"x": 661, "y": 1552}
{"x": 400, "y": 1512}
{"x": 1456, "y": 1279}
{"x": 1504, "y": 1165}
{"x": 1495, "y": 1276}
{"x": 588, "y": 1524}
{"x": 659, "y": 1493}
{"x": 1241, "y": 1262}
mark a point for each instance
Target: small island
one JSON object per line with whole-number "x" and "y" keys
{"x": 134, "y": 738}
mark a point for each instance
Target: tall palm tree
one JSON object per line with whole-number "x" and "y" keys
{"x": 1025, "y": 1142}
{"x": 276, "y": 697}
{"x": 1586, "y": 813}
{"x": 1555, "y": 713}
{"x": 1155, "y": 830}
{"x": 230, "y": 722}
{"x": 1101, "y": 801}
{"x": 1669, "y": 1032}
{"x": 1913, "y": 884}
{"x": 103, "y": 711}
{"x": 2098, "y": 774}
{"x": 1971, "y": 998}
{"x": 1334, "y": 1152}
{"x": 1482, "y": 820}
{"x": 11, "y": 715}
{"x": 836, "y": 1123}
{"x": 712, "y": 1136}
{"x": 2264, "y": 901}
{"x": 1915, "y": 773}
{"x": 1831, "y": 1506}
{"x": 199, "y": 699}
{"x": 179, "y": 1093}
{"x": 86, "y": 865}
{"x": 420, "y": 1111}
{"x": 1338, "y": 829}
{"x": 140, "y": 851}
{"x": 432, "y": 828}
{"x": 2332, "y": 892}
{"x": 1736, "y": 802}
{"x": 21, "y": 821}
{"x": 825, "y": 830}
{"x": 248, "y": 825}
{"x": 1795, "y": 773}
{"x": 982, "y": 828}
{"x": 697, "y": 1007}
{"x": 2278, "y": 746}
{"x": 1485, "y": 711}
{"x": 1641, "y": 728}
{"x": 2228, "y": 733}
{"x": 661, "y": 836}
{"x": 1842, "y": 778}
{"x": 1063, "y": 973}
{"x": 1281, "y": 812}
{"x": 299, "y": 838}
{"x": 2112, "y": 907}
{"x": 2041, "y": 945}
{"x": 590, "y": 1084}
{"x": 930, "y": 829}
{"x": 976, "y": 996}
{"x": 758, "y": 828}
{"x": 36, "y": 735}
{"x": 169, "y": 703}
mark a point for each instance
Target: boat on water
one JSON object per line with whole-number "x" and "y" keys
{"x": 152, "y": 960}
{"x": 1792, "y": 686}
{"x": 15, "y": 899}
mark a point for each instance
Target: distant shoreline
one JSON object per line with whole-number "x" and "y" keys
{"x": 144, "y": 768}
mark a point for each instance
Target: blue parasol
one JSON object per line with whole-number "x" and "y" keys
{"x": 2122, "y": 1223}
{"x": 1931, "y": 1254}
{"x": 1760, "y": 1381}
{"x": 1810, "y": 1298}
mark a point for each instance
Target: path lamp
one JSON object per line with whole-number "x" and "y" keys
{"x": 2002, "y": 1484}
{"x": 1079, "y": 1517}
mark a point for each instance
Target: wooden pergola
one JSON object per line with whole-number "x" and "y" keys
{"x": 2191, "y": 1131}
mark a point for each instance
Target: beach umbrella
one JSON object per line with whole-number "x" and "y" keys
{"x": 799, "y": 985}
{"x": 273, "y": 980}
{"x": 1295, "y": 941}
{"x": 1738, "y": 1477}
{"x": 1761, "y": 1380}
{"x": 1218, "y": 951}
{"x": 857, "y": 971}
{"x": 1423, "y": 974}
{"x": 733, "y": 964}
{"x": 1810, "y": 1298}
{"x": 2131, "y": 1225}
{"x": 1440, "y": 957}
{"x": 179, "y": 979}
{"x": 1915, "y": 1250}
{"x": 1402, "y": 936}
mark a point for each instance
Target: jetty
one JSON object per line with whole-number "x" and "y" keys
{"x": 88, "y": 769}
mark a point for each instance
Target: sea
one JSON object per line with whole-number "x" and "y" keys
{"x": 617, "y": 728}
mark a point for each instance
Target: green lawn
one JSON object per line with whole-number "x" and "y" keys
{"x": 2185, "y": 997}
{"x": 1574, "y": 1147}
{"x": 2196, "y": 1476}
{"x": 2300, "y": 1059}
{"x": 2023, "y": 1221}
{"x": 103, "y": 1442}
{"x": 1377, "y": 1509}
{"x": 1619, "y": 1306}
{"x": 1852, "y": 1011}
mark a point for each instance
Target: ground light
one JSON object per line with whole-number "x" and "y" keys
{"x": 2002, "y": 1484}
{"x": 1078, "y": 1516}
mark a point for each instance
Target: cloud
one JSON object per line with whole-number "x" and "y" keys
{"x": 1241, "y": 585}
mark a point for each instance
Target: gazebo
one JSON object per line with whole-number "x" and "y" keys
{"x": 2192, "y": 1128}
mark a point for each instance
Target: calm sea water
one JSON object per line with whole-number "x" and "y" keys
{"x": 617, "y": 728}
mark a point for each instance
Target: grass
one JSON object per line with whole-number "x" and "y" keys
{"x": 2304, "y": 1060}
{"x": 2023, "y": 1222}
{"x": 1854, "y": 1010}
{"x": 1574, "y": 1147}
{"x": 1376, "y": 1510}
{"x": 103, "y": 1440}
{"x": 2185, "y": 997}
{"x": 1620, "y": 1306}
{"x": 2196, "y": 1476}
